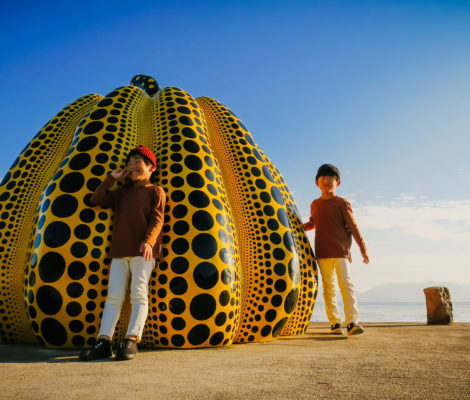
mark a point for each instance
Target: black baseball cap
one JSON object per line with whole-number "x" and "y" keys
{"x": 327, "y": 170}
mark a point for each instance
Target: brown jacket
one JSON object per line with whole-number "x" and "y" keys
{"x": 334, "y": 225}
{"x": 138, "y": 216}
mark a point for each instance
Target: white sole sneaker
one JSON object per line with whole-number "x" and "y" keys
{"x": 337, "y": 331}
{"x": 356, "y": 330}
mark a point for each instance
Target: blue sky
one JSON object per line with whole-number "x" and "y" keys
{"x": 379, "y": 88}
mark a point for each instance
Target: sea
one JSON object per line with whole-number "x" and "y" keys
{"x": 394, "y": 312}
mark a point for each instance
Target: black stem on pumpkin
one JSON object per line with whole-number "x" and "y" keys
{"x": 146, "y": 83}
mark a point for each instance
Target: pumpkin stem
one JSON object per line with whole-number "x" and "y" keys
{"x": 147, "y": 83}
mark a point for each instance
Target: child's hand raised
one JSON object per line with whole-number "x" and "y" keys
{"x": 120, "y": 173}
{"x": 146, "y": 250}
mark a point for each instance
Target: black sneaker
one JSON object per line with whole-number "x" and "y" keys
{"x": 127, "y": 350}
{"x": 101, "y": 349}
{"x": 355, "y": 329}
{"x": 336, "y": 329}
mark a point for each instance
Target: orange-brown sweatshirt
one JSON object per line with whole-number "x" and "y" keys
{"x": 138, "y": 216}
{"x": 334, "y": 224}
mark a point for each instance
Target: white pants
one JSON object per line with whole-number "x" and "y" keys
{"x": 140, "y": 271}
{"x": 330, "y": 268}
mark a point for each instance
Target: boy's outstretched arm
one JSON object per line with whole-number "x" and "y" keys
{"x": 309, "y": 225}
{"x": 347, "y": 212}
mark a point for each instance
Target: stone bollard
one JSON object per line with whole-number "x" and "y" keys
{"x": 438, "y": 305}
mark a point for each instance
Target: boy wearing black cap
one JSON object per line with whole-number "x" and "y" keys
{"x": 135, "y": 244}
{"x": 332, "y": 218}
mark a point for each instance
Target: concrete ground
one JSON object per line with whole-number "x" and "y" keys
{"x": 389, "y": 361}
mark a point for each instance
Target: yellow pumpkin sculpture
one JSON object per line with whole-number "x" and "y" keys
{"x": 237, "y": 264}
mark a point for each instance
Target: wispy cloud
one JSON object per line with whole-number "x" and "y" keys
{"x": 438, "y": 220}
{"x": 405, "y": 197}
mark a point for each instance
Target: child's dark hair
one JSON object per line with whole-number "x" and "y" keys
{"x": 328, "y": 170}
{"x": 146, "y": 160}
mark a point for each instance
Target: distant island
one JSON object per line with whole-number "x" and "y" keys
{"x": 409, "y": 292}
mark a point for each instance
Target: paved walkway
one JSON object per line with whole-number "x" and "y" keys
{"x": 389, "y": 361}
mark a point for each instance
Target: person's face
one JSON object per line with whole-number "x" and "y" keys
{"x": 138, "y": 169}
{"x": 328, "y": 184}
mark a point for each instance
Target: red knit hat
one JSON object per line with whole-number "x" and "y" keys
{"x": 144, "y": 151}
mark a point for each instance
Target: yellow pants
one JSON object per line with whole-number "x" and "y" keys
{"x": 330, "y": 269}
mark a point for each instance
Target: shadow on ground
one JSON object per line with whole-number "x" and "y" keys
{"x": 34, "y": 353}
{"x": 27, "y": 353}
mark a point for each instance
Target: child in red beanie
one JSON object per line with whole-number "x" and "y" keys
{"x": 135, "y": 244}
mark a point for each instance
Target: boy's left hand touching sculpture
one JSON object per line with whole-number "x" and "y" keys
{"x": 146, "y": 250}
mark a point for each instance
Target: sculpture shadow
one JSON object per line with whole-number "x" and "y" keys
{"x": 33, "y": 353}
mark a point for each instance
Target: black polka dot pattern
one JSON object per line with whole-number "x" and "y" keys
{"x": 20, "y": 193}
{"x": 300, "y": 318}
{"x": 260, "y": 211}
{"x": 73, "y": 235}
{"x": 228, "y": 212}
{"x": 190, "y": 288}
